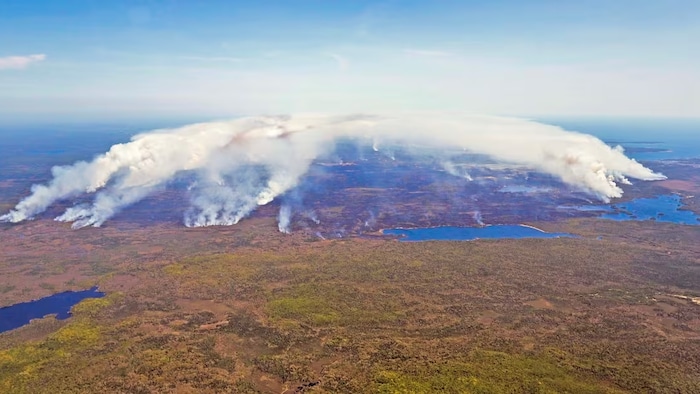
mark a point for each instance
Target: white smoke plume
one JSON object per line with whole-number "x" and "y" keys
{"x": 454, "y": 170}
{"x": 243, "y": 163}
{"x": 372, "y": 220}
{"x": 284, "y": 219}
{"x": 311, "y": 215}
{"x": 477, "y": 218}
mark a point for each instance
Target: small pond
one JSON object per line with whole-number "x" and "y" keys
{"x": 18, "y": 315}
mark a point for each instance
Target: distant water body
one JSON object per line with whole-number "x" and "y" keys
{"x": 18, "y": 315}
{"x": 643, "y": 139}
{"x": 665, "y": 208}
{"x": 471, "y": 233}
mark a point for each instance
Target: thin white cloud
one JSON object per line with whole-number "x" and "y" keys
{"x": 343, "y": 63}
{"x": 427, "y": 53}
{"x": 213, "y": 58}
{"x": 168, "y": 57}
{"x": 20, "y": 62}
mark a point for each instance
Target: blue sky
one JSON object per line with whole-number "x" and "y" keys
{"x": 96, "y": 59}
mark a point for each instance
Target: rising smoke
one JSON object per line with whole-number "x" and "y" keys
{"x": 248, "y": 162}
{"x": 454, "y": 170}
{"x": 284, "y": 219}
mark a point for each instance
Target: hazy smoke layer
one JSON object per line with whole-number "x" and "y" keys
{"x": 247, "y": 162}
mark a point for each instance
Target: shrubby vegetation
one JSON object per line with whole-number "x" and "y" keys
{"x": 358, "y": 315}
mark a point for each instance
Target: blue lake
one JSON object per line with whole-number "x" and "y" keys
{"x": 471, "y": 233}
{"x": 664, "y": 208}
{"x": 18, "y": 315}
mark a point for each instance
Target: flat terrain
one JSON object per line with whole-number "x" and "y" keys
{"x": 334, "y": 307}
{"x": 247, "y": 309}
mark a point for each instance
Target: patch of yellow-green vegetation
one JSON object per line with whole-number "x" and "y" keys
{"x": 215, "y": 276}
{"x": 80, "y": 333}
{"x": 92, "y": 306}
{"x": 175, "y": 269}
{"x": 310, "y": 308}
{"x": 22, "y": 364}
{"x": 314, "y": 304}
{"x": 320, "y": 304}
{"x": 395, "y": 382}
{"x": 222, "y": 267}
{"x": 488, "y": 372}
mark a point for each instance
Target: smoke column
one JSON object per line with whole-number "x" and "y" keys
{"x": 453, "y": 170}
{"x": 248, "y": 162}
{"x": 284, "y": 219}
{"x": 477, "y": 218}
